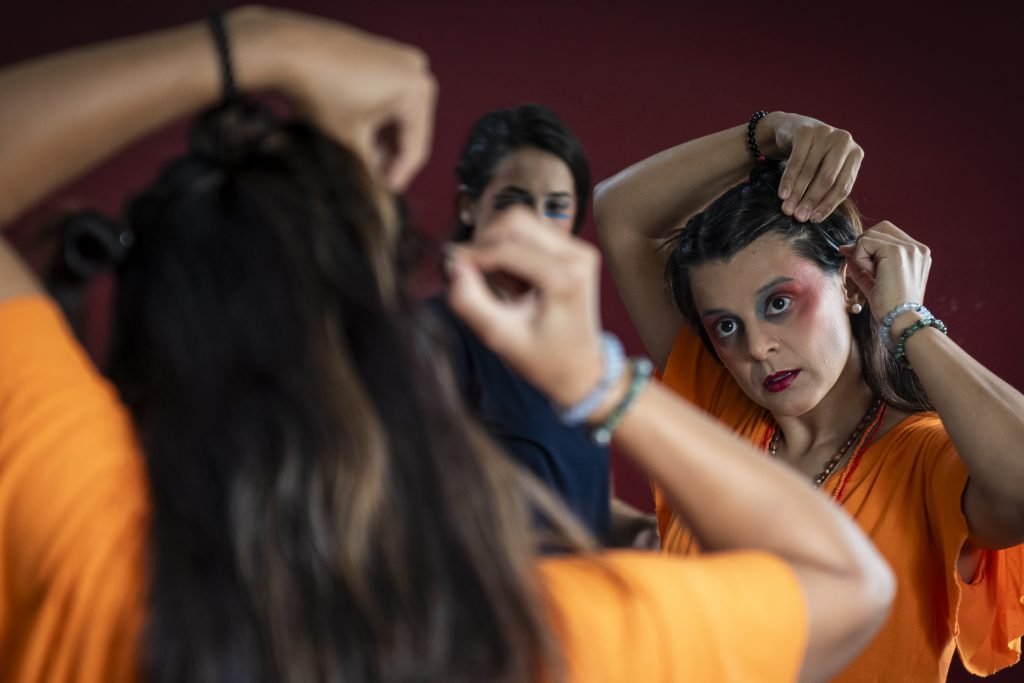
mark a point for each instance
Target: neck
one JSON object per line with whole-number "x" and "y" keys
{"x": 829, "y": 424}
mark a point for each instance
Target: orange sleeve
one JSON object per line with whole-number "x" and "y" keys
{"x": 987, "y": 615}
{"x": 72, "y": 509}
{"x": 628, "y": 616}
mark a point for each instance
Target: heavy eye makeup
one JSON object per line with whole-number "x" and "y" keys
{"x": 777, "y": 304}
{"x": 722, "y": 328}
{"x": 558, "y": 207}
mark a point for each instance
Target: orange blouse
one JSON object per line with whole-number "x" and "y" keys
{"x": 74, "y": 511}
{"x": 905, "y": 494}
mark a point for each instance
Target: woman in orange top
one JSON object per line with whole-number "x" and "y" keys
{"x": 805, "y": 335}
{"x": 276, "y": 481}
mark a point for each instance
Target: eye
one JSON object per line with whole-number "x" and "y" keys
{"x": 505, "y": 200}
{"x": 557, "y": 209}
{"x": 779, "y": 304}
{"x": 725, "y": 328}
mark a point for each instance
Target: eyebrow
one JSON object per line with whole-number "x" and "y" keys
{"x": 773, "y": 284}
{"x": 760, "y": 293}
{"x": 514, "y": 189}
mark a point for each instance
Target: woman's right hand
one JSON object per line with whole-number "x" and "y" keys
{"x": 551, "y": 334}
{"x": 372, "y": 93}
{"x": 822, "y": 167}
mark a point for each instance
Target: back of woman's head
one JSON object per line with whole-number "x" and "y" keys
{"x": 322, "y": 509}
{"x": 752, "y": 210}
{"x": 497, "y": 134}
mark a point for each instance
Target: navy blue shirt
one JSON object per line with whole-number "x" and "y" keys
{"x": 524, "y": 422}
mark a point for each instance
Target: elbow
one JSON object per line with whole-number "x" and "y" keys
{"x": 877, "y": 588}
{"x": 602, "y": 205}
{"x": 872, "y": 589}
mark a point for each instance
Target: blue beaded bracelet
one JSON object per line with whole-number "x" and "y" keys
{"x": 642, "y": 369}
{"x": 885, "y": 330}
{"x": 613, "y": 359}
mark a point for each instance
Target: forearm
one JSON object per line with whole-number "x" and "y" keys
{"x": 63, "y": 113}
{"x": 732, "y": 496}
{"x": 654, "y": 196}
{"x": 984, "y": 417}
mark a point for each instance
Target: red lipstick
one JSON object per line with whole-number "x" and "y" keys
{"x": 780, "y": 381}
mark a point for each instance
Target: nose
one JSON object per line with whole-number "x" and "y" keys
{"x": 761, "y": 342}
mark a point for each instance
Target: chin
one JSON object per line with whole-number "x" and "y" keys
{"x": 788, "y": 403}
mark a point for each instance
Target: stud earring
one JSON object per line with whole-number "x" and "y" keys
{"x": 856, "y": 308}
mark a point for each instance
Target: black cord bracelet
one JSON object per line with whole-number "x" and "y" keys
{"x": 220, "y": 38}
{"x": 752, "y": 136}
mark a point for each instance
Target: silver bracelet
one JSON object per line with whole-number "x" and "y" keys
{"x": 613, "y": 360}
{"x": 885, "y": 331}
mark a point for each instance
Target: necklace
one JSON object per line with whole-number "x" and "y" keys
{"x": 875, "y": 411}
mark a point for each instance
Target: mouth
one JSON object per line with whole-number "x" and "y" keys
{"x": 780, "y": 381}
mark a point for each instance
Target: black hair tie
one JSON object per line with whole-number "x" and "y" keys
{"x": 220, "y": 38}
{"x": 92, "y": 244}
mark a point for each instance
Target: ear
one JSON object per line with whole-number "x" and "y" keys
{"x": 852, "y": 292}
{"x": 467, "y": 209}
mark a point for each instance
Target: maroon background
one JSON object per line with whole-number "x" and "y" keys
{"x": 933, "y": 96}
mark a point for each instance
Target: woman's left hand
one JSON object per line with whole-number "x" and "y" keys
{"x": 888, "y": 266}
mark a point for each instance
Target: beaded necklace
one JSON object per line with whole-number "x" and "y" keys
{"x": 862, "y": 436}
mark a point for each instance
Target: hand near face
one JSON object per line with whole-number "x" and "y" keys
{"x": 550, "y": 334}
{"x": 822, "y": 167}
{"x": 889, "y": 267}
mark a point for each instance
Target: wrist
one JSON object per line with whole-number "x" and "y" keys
{"x": 258, "y": 39}
{"x": 766, "y": 135}
{"x": 903, "y": 321}
{"x": 568, "y": 388}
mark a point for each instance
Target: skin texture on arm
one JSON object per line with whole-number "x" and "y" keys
{"x": 983, "y": 415}
{"x": 734, "y": 497}
{"x": 640, "y": 207}
{"x": 381, "y": 103}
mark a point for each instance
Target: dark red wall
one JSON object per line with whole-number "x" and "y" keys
{"x": 934, "y": 96}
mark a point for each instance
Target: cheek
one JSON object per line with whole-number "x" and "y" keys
{"x": 483, "y": 219}
{"x": 562, "y": 224}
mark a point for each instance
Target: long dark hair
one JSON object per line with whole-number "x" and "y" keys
{"x": 324, "y": 508}
{"x": 497, "y": 134}
{"x": 753, "y": 209}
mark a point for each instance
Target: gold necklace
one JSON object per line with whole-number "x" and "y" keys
{"x": 773, "y": 445}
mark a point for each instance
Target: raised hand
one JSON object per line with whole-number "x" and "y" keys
{"x": 550, "y": 334}
{"x": 889, "y": 267}
{"x": 822, "y": 167}
{"x": 374, "y": 94}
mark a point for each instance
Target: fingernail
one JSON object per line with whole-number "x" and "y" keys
{"x": 801, "y": 214}
{"x": 787, "y": 208}
{"x": 818, "y": 217}
{"x": 783, "y": 192}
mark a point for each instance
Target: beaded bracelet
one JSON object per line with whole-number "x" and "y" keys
{"x": 885, "y": 330}
{"x": 901, "y": 345}
{"x": 613, "y": 360}
{"x": 751, "y": 135}
{"x": 220, "y": 38}
{"x": 642, "y": 369}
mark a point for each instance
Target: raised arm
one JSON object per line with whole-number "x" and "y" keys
{"x": 734, "y": 497}
{"x": 637, "y": 209}
{"x": 982, "y": 413}
{"x": 355, "y": 85}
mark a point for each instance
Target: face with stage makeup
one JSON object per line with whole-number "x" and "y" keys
{"x": 527, "y": 177}
{"x": 780, "y": 324}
